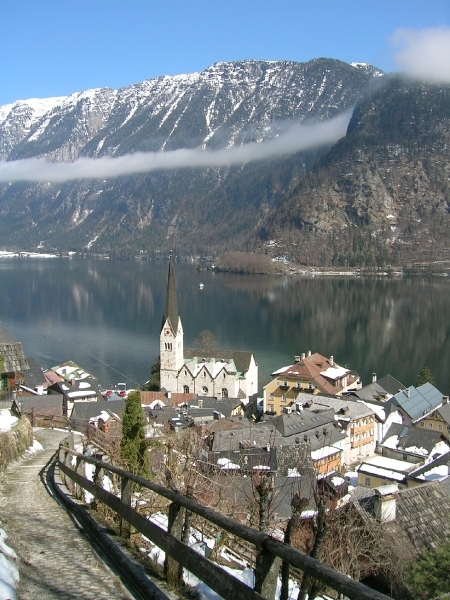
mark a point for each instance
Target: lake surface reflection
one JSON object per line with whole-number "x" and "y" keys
{"x": 106, "y": 316}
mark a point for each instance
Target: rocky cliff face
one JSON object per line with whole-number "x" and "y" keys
{"x": 381, "y": 194}
{"x": 195, "y": 210}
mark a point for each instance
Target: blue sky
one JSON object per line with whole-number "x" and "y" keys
{"x": 56, "y": 47}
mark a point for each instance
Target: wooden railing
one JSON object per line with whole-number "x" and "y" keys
{"x": 269, "y": 551}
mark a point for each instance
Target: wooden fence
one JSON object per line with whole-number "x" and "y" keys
{"x": 270, "y": 552}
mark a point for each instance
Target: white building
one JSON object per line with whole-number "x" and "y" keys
{"x": 221, "y": 374}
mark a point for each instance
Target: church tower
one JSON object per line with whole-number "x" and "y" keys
{"x": 171, "y": 337}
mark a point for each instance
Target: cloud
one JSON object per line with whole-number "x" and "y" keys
{"x": 424, "y": 53}
{"x": 296, "y": 138}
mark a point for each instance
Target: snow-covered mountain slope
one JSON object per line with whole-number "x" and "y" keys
{"x": 228, "y": 104}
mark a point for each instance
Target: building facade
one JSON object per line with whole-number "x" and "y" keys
{"x": 219, "y": 374}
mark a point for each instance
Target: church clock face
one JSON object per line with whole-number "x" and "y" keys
{"x": 167, "y": 332}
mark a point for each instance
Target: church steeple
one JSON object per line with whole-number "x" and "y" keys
{"x": 171, "y": 338}
{"x": 171, "y": 311}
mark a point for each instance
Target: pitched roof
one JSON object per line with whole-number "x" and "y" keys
{"x": 411, "y": 439}
{"x": 320, "y": 369}
{"x": 171, "y": 310}
{"x": 14, "y": 357}
{"x": 418, "y": 402}
{"x": 34, "y": 376}
{"x": 343, "y": 407}
{"x": 241, "y": 358}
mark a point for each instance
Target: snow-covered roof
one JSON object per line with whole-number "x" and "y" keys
{"x": 324, "y": 452}
{"x": 335, "y": 372}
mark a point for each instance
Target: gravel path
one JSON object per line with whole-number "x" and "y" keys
{"x": 55, "y": 559}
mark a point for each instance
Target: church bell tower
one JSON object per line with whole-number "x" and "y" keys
{"x": 171, "y": 338}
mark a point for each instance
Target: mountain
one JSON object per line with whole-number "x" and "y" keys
{"x": 381, "y": 194}
{"x": 194, "y": 210}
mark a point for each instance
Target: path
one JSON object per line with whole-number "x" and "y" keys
{"x": 55, "y": 560}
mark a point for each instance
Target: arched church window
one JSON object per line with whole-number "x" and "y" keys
{"x": 185, "y": 389}
{"x": 224, "y": 393}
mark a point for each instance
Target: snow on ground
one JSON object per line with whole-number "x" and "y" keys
{"x": 7, "y": 420}
{"x": 9, "y": 573}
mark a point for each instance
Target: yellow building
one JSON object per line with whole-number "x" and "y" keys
{"x": 310, "y": 373}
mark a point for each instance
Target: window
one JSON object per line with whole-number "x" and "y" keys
{"x": 430, "y": 425}
{"x": 440, "y": 427}
{"x": 310, "y": 386}
{"x": 422, "y": 424}
{"x": 367, "y": 481}
{"x": 204, "y": 390}
{"x": 283, "y": 398}
{"x": 185, "y": 389}
{"x": 271, "y": 408}
{"x": 224, "y": 393}
{"x": 271, "y": 396}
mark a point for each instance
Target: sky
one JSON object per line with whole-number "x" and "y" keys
{"x": 55, "y": 47}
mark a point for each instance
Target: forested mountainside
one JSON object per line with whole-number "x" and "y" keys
{"x": 381, "y": 194}
{"x": 193, "y": 210}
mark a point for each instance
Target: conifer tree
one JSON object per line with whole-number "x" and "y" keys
{"x": 424, "y": 376}
{"x": 429, "y": 575}
{"x": 134, "y": 445}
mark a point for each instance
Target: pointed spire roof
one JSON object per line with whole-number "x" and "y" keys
{"x": 171, "y": 312}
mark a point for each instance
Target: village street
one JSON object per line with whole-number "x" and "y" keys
{"x": 55, "y": 561}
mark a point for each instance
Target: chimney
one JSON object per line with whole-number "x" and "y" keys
{"x": 374, "y": 377}
{"x": 303, "y": 355}
{"x": 309, "y": 353}
{"x": 444, "y": 399}
{"x": 331, "y": 361}
{"x": 72, "y": 382}
{"x": 200, "y": 402}
{"x": 385, "y": 502}
{"x": 408, "y": 392}
{"x": 296, "y": 359}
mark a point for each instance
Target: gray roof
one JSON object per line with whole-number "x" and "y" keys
{"x": 410, "y": 437}
{"x": 14, "y": 357}
{"x": 418, "y": 402}
{"x": 84, "y": 411}
{"x": 241, "y": 358}
{"x": 343, "y": 407}
{"x": 46, "y": 404}
{"x": 440, "y": 461}
{"x": 444, "y": 411}
{"x": 34, "y": 376}
{"x": 379, "y": 389}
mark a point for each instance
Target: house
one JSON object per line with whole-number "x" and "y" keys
{"x": 323, "y": 434}
{"x": 438, "y": 420}
{"x": 379, "y": 389}
{"x": 381, "y": 470}
{"x": 417, "y": 405}
{"x": 85, "y": 413}
{"x": 385, "y": 415}
{"x": 14, "y": 363}
{"x": 309, "y": 372}
{"x": 356, "y": 419}
{"x": 218, "y": 373}
{"x": 412, "y": 444}
{"x": 74, "y": 384}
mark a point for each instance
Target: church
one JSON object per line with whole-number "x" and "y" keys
{"x": 221, "y": 374}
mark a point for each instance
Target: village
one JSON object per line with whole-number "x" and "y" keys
{"x": 314, "y": 432}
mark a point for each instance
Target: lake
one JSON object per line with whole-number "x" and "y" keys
{"x": 106, "y": 316}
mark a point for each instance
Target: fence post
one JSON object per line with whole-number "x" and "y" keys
{"x": 80, "y": 471}
{"x": 172, "y": 570}
{"x": 97, "y": 479}
{"x": 33, "y": 417}
{"x": 126, "y": 487}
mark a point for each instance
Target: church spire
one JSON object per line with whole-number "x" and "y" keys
{"x": 171, "y": 312}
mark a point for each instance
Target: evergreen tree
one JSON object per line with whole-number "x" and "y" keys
{"x": 424, "y": 376}
{"x": 429, "y": 575}
{"x": 134, "y": 445}
{"x": 154, "y": 383}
